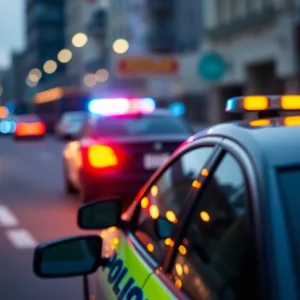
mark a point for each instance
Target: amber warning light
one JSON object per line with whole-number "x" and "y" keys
{"x": 259, "y": 103}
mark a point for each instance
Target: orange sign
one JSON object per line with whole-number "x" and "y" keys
{"x": 148, "y": 66}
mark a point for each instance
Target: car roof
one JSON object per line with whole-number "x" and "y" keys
{"x": 270, "y": 139}
{"x": 161, "y": 112}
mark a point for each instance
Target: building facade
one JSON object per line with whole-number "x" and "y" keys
{"x": 174, "y": 25}
{"x": 85, "y": 17}
{"x": 13, "y": 81}
{"x": 257, "y": 41}
{"x": 45, "y": 35}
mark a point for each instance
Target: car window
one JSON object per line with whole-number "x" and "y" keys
{"x": 29, "y": 118}
{"x": 72, "y": 116}
{"x": 212, "y": 255}
{"x": 167, "y": 196}
{"x": 144, "y": 125}
{"x": 288, "y": 180}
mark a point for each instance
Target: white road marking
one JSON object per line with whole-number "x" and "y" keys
{"x": 7, "y": 218}
{"x": 47, "y": 156}
{"x": 21, "y": 238}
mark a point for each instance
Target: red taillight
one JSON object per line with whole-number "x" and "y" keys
{"x": 37, "y": 128}
{"x": 21, "y": 129}
{"x": 102, "y": 156}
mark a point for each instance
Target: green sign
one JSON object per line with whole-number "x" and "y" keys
{"x": 211, "y": 67}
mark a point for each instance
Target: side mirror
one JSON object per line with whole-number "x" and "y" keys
{"x": 163, "y": 228}
{"x": 100, "y": 214}
{"x": 69, "y": 257}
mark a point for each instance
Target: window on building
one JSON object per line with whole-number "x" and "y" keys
{"x": 249, "y": 6}
{"x": 49, "y": 11}
{"x": 222, "y": 9}
{"x": 167, "y": 196}
{"x": 234, "y": 9}
{"x": 216, "y": 257}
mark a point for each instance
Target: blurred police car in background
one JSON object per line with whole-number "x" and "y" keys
{"x": 70, "y": 124}
{"x": 120, "y": 146}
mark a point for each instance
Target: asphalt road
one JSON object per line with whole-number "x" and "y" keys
{"x": 33, "y": 209}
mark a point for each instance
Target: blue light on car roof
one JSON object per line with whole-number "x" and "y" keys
{"x": 230, "y": 104}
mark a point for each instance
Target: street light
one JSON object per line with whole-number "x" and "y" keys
{"x": 79, "y": 40}
{"x": 102, "y": 75}
{"x": 120, "y": 46}
{"x": 50, "y": 66}
{"x": 64, "y": 56}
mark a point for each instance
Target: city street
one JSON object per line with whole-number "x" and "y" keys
{"x": 33, "y": 209}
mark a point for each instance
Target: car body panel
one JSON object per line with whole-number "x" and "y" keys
{"x": 119, "y": 277}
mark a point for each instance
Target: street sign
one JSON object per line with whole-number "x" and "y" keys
{"x": 211, "y": 67}
{"x": 147, "y": 66}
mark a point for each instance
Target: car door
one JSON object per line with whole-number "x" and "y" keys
{"x": 214, "y": 254}
{"x": 136, "y": 253}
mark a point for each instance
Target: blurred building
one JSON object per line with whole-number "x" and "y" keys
{"x": 14, "y": 81}
{"x": 88, "y": 17}
{"x": 174, "y": 25}
{"x": 45, "y": 36}
{"x": 175, "y": 28}
{"x": 7, "y": 84}
{"x": 252, "y": 46}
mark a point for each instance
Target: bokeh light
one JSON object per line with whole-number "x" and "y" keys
{"x": 102, "y": 75}
{"x": 90, "y": 80}
{"x": 50, "y": 66}
{"x": 177, "y": 109}
{"x": 79, "y": 40}
{"x": 64, "y": 56}
{"x": 120, "y": 46}
{"x": 35, "y": 73}
{"x": 31, "y": 83}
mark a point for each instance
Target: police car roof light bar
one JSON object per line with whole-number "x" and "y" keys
{"x": 260, "y": 103}
{"x": 121, "y": 106}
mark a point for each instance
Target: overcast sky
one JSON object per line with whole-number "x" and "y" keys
{"x": 12, "y": 29}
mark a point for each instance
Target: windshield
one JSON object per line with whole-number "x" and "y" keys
{"x": 146, "y": 125}
{"x": 290, "y": 194}
{"x": 74, "y": 117}
{"x": 29, "y": 118}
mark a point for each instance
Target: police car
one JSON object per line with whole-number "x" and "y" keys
{"x": 120, "y": 146}
{"x": 219, "y": 220}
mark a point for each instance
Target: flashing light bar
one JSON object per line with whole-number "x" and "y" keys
{"x": 121, "y": 106}
{"x": 263, "y": 103}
